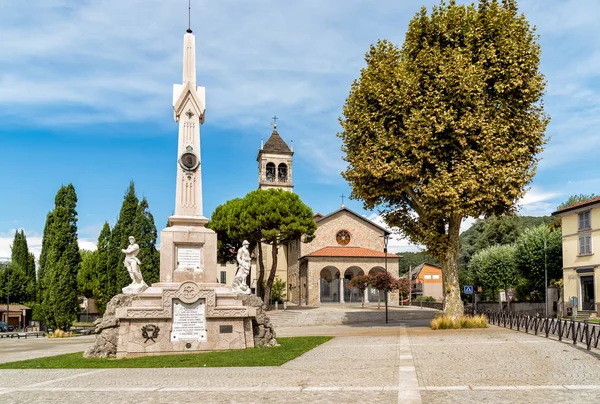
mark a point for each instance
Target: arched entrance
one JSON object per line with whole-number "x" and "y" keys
{"x": 374, "y": 294}
{"x": 329, "y": 281}
{"x": 352, "y": 295}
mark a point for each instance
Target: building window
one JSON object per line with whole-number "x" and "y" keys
{"x": 282, "y": 173}
{"x": 342, "y": 237}
{"x": 270, "y": 173}
{"x": 427, "y": 277}
{"x": 584, "y": 220}
{"x": 585, "y": 245}
{"x": 436, "y": 277}
{"x": 223, "y": 277}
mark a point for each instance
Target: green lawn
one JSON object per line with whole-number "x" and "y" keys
{"x": 289, "y": 349}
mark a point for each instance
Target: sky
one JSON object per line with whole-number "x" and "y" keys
{"x": 85, "y": 98}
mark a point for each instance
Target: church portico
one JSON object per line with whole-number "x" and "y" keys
{"x": 328, "y": 277}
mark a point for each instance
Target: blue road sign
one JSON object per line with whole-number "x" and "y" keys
{"x": 468, "y": 290}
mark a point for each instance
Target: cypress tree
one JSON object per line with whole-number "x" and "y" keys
{"x": 22, "y": 274}
{"x": 123, "y": 228}
{"x": 145, "y": 234}
{"x": 106, "y": 274}
{"x": 61, "y": 261}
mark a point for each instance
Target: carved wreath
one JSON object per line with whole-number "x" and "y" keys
{"x": 150, "y": 332}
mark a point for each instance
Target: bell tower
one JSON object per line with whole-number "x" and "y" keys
{"x": 275, "y": 163}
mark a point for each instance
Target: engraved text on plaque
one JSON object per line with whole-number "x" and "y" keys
{"x": 189, "y": 258}
{"x": 189, "y": 321}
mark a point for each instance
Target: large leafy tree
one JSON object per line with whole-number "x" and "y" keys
{"x": 448, "y": 126}
{"x": 495, "y": 268}
{"x": 61, "y": 261}
{"x": 532, "y": 259}
{"x": 273, "y": 217}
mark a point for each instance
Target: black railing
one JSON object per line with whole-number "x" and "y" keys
{"x": 571, "y": 330}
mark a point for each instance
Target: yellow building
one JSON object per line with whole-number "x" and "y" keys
{"x": 581, "y": 253}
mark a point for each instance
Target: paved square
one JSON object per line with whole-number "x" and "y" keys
{"x": 373, "y": 364}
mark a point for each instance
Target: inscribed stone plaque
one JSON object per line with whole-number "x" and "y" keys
{"x": 189, "y": 321}
{"x": 189, "y": 258}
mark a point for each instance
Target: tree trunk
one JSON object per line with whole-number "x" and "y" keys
{"x": 453, "y": 305}
{"x": 271, "y": 274}
{"x": 261, "y": 273}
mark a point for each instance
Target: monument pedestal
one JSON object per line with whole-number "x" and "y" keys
{"x": 184, "y": 317}
{"x": 188, "y": 251}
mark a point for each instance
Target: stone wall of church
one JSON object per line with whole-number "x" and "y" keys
{"x": 316, "y": 265}
{"x": 362, "y": 234}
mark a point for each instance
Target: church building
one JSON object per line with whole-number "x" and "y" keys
{"x": 346, "y": 244}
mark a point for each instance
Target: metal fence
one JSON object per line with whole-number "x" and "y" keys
{"x": 571, "y": 330}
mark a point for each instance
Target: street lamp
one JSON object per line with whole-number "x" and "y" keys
{"x": 386, "y": 238}
{"x": 545, "y": 273}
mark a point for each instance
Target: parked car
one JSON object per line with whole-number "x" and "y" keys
{"x": 5, "y": 327}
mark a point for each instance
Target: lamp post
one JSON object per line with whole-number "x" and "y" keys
{"x": 545, "y": 274}
{"x": 386, "y": 238}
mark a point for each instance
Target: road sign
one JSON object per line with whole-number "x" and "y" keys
{"x": 511, "y": 294}
{"x": 468, "y": 290}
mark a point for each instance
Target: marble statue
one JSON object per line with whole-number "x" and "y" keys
{"x": 132, "y": 264}
{"x": 238, "y": 285}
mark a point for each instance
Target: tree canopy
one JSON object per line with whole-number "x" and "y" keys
{"x": 532, "y": 259}
{"x": 60, "y": 263}
{"x": 575, "y": 199}
{"x": 447, "y": 126}
{"x": 273, "y": 216}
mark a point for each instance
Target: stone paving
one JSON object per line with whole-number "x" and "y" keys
{"x": 363, "y": 364}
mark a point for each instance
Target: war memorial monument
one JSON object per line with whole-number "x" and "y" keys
{"x": 188, "y": 310}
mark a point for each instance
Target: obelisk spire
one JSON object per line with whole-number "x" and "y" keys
{"x": 189, "y": 56}
{"x": 189, "y": 30}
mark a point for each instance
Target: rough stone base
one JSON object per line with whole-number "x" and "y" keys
{"x": 264, "y": 333}
{"x": 107, "y": 329}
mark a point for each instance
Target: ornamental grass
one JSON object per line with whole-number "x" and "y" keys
{"x": 60, "y": 334}
{"x": 446, "y": 322}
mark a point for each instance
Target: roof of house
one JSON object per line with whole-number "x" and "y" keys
{"x": 343, "y": 208}
{"x": 354, "y": 252}
{"x": 416, "y": 270}
{"x": 14, "y": 307}
{"x": 578, "y": 206}
{"x": 276, "y": 144}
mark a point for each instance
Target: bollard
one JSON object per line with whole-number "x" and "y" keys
{"x": 284, "y": 305}
{"x": 276, "y": 305}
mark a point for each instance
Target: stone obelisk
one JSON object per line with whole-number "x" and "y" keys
{"x": 188, "y": 250}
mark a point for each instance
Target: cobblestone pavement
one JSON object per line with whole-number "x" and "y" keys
{"x": 373, "y": 364}
{"x": 17, "y": 349}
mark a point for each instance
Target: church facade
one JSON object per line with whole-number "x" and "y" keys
{"x": 345, "y": 245}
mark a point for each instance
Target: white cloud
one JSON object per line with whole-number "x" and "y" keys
{"x": 34, "y": 243}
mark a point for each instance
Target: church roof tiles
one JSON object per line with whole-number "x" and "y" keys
{"x": 355, "y": 252}
{"x": 276, "y": 144}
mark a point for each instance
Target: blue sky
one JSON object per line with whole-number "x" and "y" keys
{"x": 85, "y": 98}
